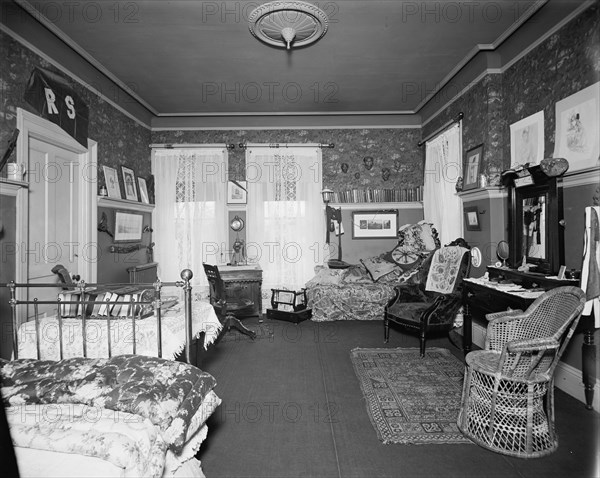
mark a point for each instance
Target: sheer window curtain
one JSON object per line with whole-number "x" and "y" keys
{"x": 443, "y": 164}
{"x": 189, "y": 219}
{"x": 286, "y": 231}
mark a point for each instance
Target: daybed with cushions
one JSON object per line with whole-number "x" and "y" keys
{"x": 361, "y": 291}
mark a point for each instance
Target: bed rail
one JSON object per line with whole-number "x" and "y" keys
{"x": 149, "y": 296}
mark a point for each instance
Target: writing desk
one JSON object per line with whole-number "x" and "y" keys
{"x": 244, "y": 282}
{"x": 482, "y": 296}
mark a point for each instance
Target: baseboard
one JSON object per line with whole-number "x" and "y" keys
{"x": 566, "y": 377}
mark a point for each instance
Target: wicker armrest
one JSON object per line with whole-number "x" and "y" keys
{"x": 504, "y": 313}
{"x": 532, "y": 345}
{"x": 502, "y": 329}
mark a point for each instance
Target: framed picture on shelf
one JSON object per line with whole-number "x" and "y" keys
{"x": 143, "y": 191}
{"x": 128, "y": 226}
{"x": 111, "y": 179}
{"x": 472, "y": 167}
{"x": 578, "y": 128}
{"x": 374, "y": 224}
{"x": 472, "y": 219}
{"x": 237, "y": 192}
{"x": 129, "y": 183}
{"x": 527, "y": 140}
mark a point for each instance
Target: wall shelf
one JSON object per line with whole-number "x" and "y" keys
{"x": 124, "y": 204}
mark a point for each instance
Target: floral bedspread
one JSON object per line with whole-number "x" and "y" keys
{"x": 165, "y": 392}
{"x": 127, "y": 441}
{"x": 204, "y": 320}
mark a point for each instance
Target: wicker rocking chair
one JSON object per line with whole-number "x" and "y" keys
{"x": 508, "y": 392}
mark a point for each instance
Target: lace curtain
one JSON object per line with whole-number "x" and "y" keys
{"x": 189, "y": 220}
{"x": 443, "y": 165}
{"x": 286, "y": 225}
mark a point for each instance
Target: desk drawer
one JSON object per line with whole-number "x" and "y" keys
{"x": 483, "y": 301}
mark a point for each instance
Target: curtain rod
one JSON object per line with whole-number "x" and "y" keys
{"x": 460, "y": 116}
{"x": 193, "y": 145}
{"x": 286, "y": 145}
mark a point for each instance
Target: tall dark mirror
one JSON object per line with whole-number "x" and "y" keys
{"x": 536, "y": 222}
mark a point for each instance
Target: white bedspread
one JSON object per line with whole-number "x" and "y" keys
{"x": 204, "y": 320}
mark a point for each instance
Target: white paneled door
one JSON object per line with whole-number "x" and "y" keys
{"x": 54, "y": 177}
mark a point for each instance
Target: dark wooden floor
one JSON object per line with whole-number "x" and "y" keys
{"x": 292, "y": 407}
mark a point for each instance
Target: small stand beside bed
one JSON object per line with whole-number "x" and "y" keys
{"x": 103, "y": 384}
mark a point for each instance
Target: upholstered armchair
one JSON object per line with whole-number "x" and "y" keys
{"x": 508, "y": 391}
{"x": 430, "y": 304}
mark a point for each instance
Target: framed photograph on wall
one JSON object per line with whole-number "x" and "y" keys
{"x": 143, "y": 191}
{"x": 111, "y": 179}
{"x": 129, "y": 183}
{"x": 577, "y": 128}
{"x": 472, "y": 219}
{"x": 472, "y": 166}
{"x": 527, "y": 140}
{"x": 237, "y": 192}
{"x": 128, "y": 226}
{"x": 374, "y": 224}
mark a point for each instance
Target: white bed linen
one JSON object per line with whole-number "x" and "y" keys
{"x": 204, "y": 320}
{"x": 36, "y": 420}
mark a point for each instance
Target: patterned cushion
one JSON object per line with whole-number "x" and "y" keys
{"x": 406, "y": 256}
{"x": 378, "y": 267}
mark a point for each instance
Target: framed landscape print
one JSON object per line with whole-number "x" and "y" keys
{"x": 527, "y": 140}
{"x": 129, "y": 183}
{"x": 128, "y": 227}
{"x": 112, "y": 182}
{"x": 374, "y": 224}
{"x": 577, "y": 128}
{"x": 472, "y": 167}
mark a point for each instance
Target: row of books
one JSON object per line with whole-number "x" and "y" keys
{"x": 379, "y": 195}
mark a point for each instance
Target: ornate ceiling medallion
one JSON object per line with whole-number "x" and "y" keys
{"x": 287, "y": 24}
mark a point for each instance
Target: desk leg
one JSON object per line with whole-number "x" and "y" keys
{"x": 588, "y": 355}
{"x": 467, "y": 329}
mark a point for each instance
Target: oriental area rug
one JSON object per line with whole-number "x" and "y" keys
{"x": 411, "y": 400}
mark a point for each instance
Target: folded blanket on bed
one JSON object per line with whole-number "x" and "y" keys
{"x": 166, "y": 392}
{"x": 127, "y": 441}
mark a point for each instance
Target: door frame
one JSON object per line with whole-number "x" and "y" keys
{"x": 33, "y": 126}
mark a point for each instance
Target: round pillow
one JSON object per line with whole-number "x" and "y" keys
{"x": 405, "y": 256}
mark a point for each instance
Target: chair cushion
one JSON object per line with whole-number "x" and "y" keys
{"x": 408, "y": 311}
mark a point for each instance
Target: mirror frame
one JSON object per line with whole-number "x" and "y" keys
{"x": 539, "y": 185}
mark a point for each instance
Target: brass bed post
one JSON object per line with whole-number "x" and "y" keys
{"x": 13, "y": 312}
{"x": 187, "y": 275}
{"x": 157, "y": 306}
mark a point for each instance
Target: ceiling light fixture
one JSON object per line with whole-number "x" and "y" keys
{"x": 287, "y": 24}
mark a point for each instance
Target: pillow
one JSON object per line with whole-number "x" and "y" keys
{"x": 377, "y": 267}
{"x": 356, "y": 274}
{"x": 326, "y": 276}
{"x": 406, "y": 256}
{"x": 427, "y": 236}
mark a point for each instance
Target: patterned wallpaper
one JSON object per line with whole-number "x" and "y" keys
{"x": 121, "y": 141}
{"x": 563, "y": 64}
{"x": 394, "y": 149}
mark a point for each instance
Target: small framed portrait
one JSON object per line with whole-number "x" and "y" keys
{"x": 237, "y": 192}
{"x": 129, "y": 183}
{"x": 472, "y": 167}
{"x": 472, "y": 219}
{"x": 143, "y": 191}
{"x": 112, "y": 182}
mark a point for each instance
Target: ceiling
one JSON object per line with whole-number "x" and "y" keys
{"x": 187, "y": 58}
